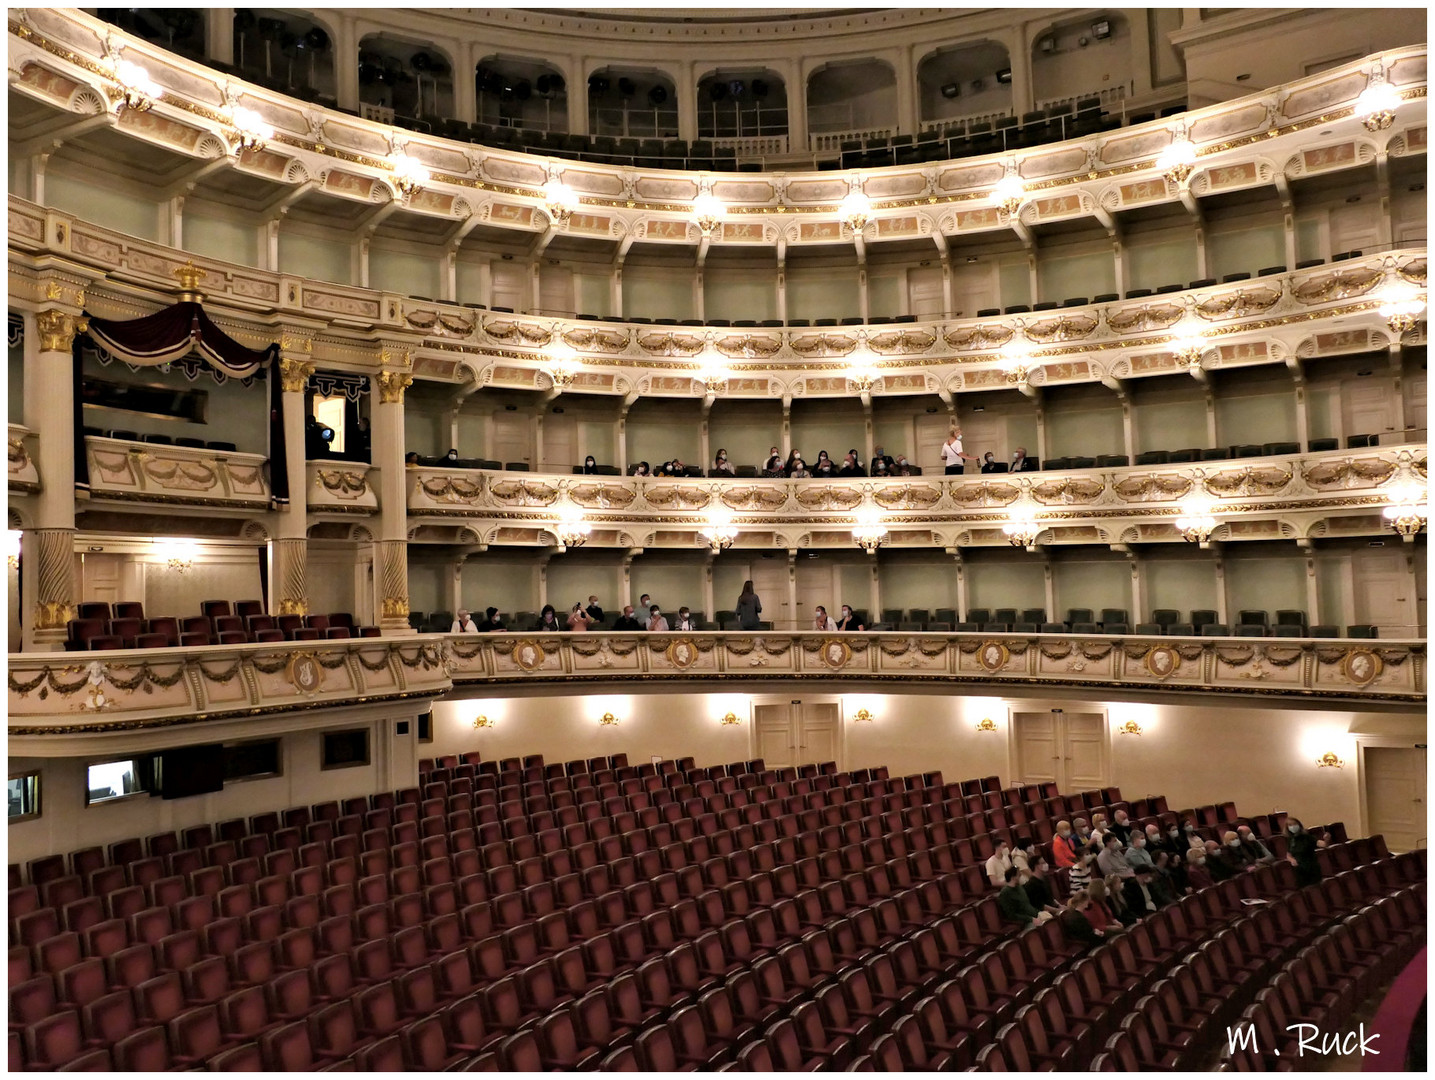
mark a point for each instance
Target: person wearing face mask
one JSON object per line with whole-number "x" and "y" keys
{"x": 1082, "y": 831}
{"x": 722, "y": 465}
{"x": 1300, "y": 853}
{"x": 1081, "y": 870}
{"x": 1063, "y": 845}
{"x": 590, "y": 465}
{"x": 773, "y": 468}
{"x": 1136, "y": 890}
{"x": 1197, "y": 876}
{"x": 464, "y": 624}
{"x": 1099, "y": 830}
{"x": 825, "y": 465}
{"x": 1259, "y": 854}
{"x": 1076, "y": 924}
{"x": 999, "y": 863}
{"x": 1136, "y": 852}
{"x": 1111, "y": 860}
{"x": 1038, "y": 887}
{"x": 1163, "y": 882}
{"x": 848, "y": 620}
{"x": 1122, "y": 826}
{"x": 1021, "y": 855}
{"x": 1174, "y": 842}
{"x": 685, "y": 620}
{"x": 626, "y": 621}
{"x": 1015, "y": 906}
{"x": 548, "y": 619}
{"x": 1235, "y": 854}
{"x": 1217, "y": 865}
{"x": 823, "y": 621}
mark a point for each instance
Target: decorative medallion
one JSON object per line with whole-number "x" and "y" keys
{"x": 1163, "y": 661}
{"x": 1361, "y": 666}
{"x": 304, "y": 672}
{"x": 682, "y": 653}
{"x": 836, "y": 653}
{"x": 528, "y": 654}
{"x": 993, "y": 655}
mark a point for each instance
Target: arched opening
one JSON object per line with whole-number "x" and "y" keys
{"x": 632, "y": 102}
{"x": 521, "y": 93}
{"x": 1089, "y": 57}
{"x": 853, "y": 97}
{"x": 969, "y": 81}
{"x": 414, "y": 79}
{"x": 286, "y": 52}
{"x": 179, "y": 30}
{"x": 742, "y": 104}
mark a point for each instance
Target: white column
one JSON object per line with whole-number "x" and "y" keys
{"x": 576, "y": 74}
{"x": 863, "y": 302}
{"x": 391, "y": 577}
{"x": 1222, "y": 603}
{"x": 1023, "y": 96}
{"x": 906, "y": 91}
{"x": 346, "y": 64}
{"x": 796, "y": 83}
{"x": 219, "y": 34}
{"x": 465, "y": 96}
{"x": 686, "y": 91}
{"x": 288, "y": 551}
{"x": 1138, "y": 597}
{"x": 961, "y": 585}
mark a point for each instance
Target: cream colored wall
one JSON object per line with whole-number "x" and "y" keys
{"x": 593, "y": 293}
{"x": 654, "y": 292}
{"x": 738, "y": 294}
{"x": 330, "y": 575}
{"x": 886, "y": 293}
{"x": 660, "y": 430}
{"x": 104, "y": 204}
{"x": 929, "y": 581}
{"x": 221, "y": 238}
{"x": 822, "y": 294}
{"x": 312, "y": 256}
{"x": 1015, "y": 281}
{"x": 510, "y": 585}
{"x": 407, "y": 273}
{"x": 1158, "y": 259}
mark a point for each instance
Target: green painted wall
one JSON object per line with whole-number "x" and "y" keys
{"x": 1264, "y": 583}
{"x": 729, "y": 572}
{"x": 652, "y": 293}
{"x": 992, "y": 584}
{"x": 593, "y": 293}
{"x": 928, "y": 583}
{"x": 856, "y": 588}
{"x": 886, "y": 293}
{"x": 1156, "y": 261}
{"x": 1014, "y": 281}
{"x": 834, "y": 425}
{"x": 1169, "y": 422}
{"x": 1255, "y": 418}
{"x": 671, "y": 585}
{"x": 403, "y": 272}
{"x": 1059, "y": 277}
{"x": 221, "y": 238}
{"x": 746, "y": 429}
{"x": 1323, "y": 411}
{"x": 1245, "y": 250}
{"x": 1096, "y": 584}
{"x": 661, "y": 429}
{"x": 1081, "y": 424}
{"x": 1308, "y": 238}
{"x": 17, "y": 384}
{"x": 1333, "y": 592}
{"x": 103, "y": 205}
{"x": 468, "y": 279}
{"x": 599, "y": 439}
{"x": 1182, "y": 584}
{"x": 508, "y": 584}
{"x": 311, "y": 257}
{"x": 822, "y": 294}
{"x": 428, "y": 588}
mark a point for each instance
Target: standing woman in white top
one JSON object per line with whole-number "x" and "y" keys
{"x": 953, "y": 454}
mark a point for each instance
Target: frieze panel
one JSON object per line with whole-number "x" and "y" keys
{"x": 1324, "y": 287}
{"x": 1240, "y": 304}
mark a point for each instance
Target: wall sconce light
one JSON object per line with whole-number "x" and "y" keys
{"x": 251, "y": 131}
{"x": 561, "y": 368}
{"x": 1377, "y": 104}
{"x": 1400, "y": 307}
{"x": 1196, "y": 524}
{"x": 1177, "y": 160}
{"x": 482, "y": 722}
{"x": 136, "y": 89}
{"x": 1328, "y": 760}
{"x": 607, "y": 720}
{"x": 719, "y": 533}
{"x": 177, "y": 554}
{"x": 12, "y": 549}
{"x": 1022, "y": 530}
{"x": 863, "y": 716}
{"x": 1189, "y": 351}
{"x": 714, "y": 379}
{"x": 559, "y": 200}
{"x": 1017, "y": 365}
{"x": 708, "y": 211}
{"x": 987, "y": 724}
{"x": 572, "y": 531}
{"x": 409, "y": 175}
{"x": 869, "y": 533}
{"x": 1407, "y": 512}
{"x": 1131, "y": 727}
{"x": 730, "y": 720}
{"x": 856, "y": 209}
{"x": 861, "y": 380}
{"x": 1009, "y": 193}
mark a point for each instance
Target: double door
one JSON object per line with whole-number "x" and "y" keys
{"x": 1066, "y": 747}
{"x": 798, "y": 733}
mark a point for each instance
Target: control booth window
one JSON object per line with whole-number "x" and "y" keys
{"x": 346, "y": 749}
{"x": 24, "y": 796}
{"x": 109, "y": 780}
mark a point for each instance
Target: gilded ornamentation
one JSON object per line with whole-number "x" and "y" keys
{"x": 598, "y": 339}
{"x": 291, "y": 342}
{"x": 1340, "y": 285}
{"x": 1361, "y": 666}
{"x": 602, "y": 496}
{"x": 979, "y": 337}
{"x": 670, "y": 344}
{"x": 392, "y": 385}
{"x": 822, "y": 344}
{"x": 899, "y": 342}
{"x": 993, "y": 655}
{"x": 1144, "y": 318}
{"x": 524, "y": 493}
{"x": 1068, "y": 491}
{"x": 673, "y": 497}
{"x": 1239, "y": 304}
{"x": 757, "y": 498}
{"x": 1163, "y": 661}
{"x": 511, "y": 330}
{"x": 682, "y": 652}
{"x": 1253, "y": 480}
{"x": 395, "y": 607}
{"x": 1151, "y": 488}
{"x": 528, "y": 654}
{"x": 907, "y": 497}
{"x": 1349, "y": 474}
{"x": 57, "y": 329}
{"x": 1414, "y": 271}
{"x": 985, "y": 493}
{"x": 451, "y": 489}
{"x": 19, "y": 458}
{"x": 342, "y": 483}
{"x": 294, "y": 375}
{"x": 828, "y": 498}
{"x": 1066, "y": 328}
{"x": 836, "y": 653}
{"x": 748, "y": 346}
{"x": 396, "y": 357}
{"x": 294, "y": 605}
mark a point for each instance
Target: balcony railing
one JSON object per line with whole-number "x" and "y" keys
{"x": 23, "y": 473}
{"x": 341, "y": 487}
{"x": 153, "y": 472}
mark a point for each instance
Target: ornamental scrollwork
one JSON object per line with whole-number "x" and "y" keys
{"x": 1349, "y": 474}
{"x": 1151, "y": 488}
{"x": 979, "y": 337}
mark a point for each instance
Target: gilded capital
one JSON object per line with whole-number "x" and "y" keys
{"x": 57, "y": 330}
{"x": 403, "y": 358}
{"x": 395, "y": 607}
{"x": 295, "y": 374}
{"x": 294, "y": 606}
{"x": 392, "y": 385}
{"x": 52, "y": 614}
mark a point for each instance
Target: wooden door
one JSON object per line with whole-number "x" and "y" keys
{"x": 1367, "y": 407}
{"x": 512, "y": 435}
{"x": 816, "y": 584}
{"x": 1084, "y": 751}
{"x": 974, "y": 287}
{"x": 819, "y": 732}
{"x": 555, "y": 291}
{"x": 1415, "y": 384}
{"x": 1384, "y": 592}
{"x": 509, "y": 285}
{"x": 1036, "y": 754}
{"x": 931, "y": 433}
{"x": 1069, "y": 749}
{"x": 924, "y": 292}
{"x": 1395, "y": 795}
{"x": 560, "y": 437}
{"x": 769, "y": 581}
{"x": 982, "y": 432}
{"x": 1352, "y": 228}
{"x": 776, "y": 739}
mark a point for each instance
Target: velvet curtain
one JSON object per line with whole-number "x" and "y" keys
{"x": 170, "y": 335}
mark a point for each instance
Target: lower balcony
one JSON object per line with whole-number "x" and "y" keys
{"x": 160, "y": 473}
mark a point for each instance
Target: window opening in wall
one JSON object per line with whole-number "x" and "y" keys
{"x": 109, "y": 780}
{"x": 252, "y": 760}
{"x": 329, "y": 412}
{"x": 426, "y": 727}
{"x": 163, "y": 402}
{"x": 346, "y": 749}
{"x": 24, "y": 796}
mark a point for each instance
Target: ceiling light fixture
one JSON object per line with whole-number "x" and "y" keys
{"x": 251, "y": 132}
{"x": 868, "y": 532}
{"x": 1178, "y": 159}
{"x": 1196, "y": 523}
{"x": 1022, "y": 530}
{"x": 560, "y": 200}
{"x": 409, "y": 175}
{"x": 1009, "y": 194}
{"x": 719, "y": 533}
{"x": 1377, "y": 103}
{"x": 1408, "y": 511}
{"x": 708, "y": 212}
{"x": 856, "y": 209}
{"x": 571, "y": 528}
{"x": 136, "y": 89}
{"x": 1401, "y": 306}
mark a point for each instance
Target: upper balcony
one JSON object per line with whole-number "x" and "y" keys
{"x": 128, "y": 471}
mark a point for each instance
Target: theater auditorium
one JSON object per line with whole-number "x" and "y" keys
{"x": 746, "y": 539}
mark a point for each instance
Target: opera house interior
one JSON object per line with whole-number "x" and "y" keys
{"x": 518, "y": 406}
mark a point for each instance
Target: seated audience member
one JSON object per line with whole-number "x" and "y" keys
{"x": 595, "y": 611}
{"x": 798, "y": 470}
{"x": 1038, "y": 887}
{"x": 1082, "y": 868}
{"x": 656, "y": 622}
{"x": 578, "y": 620}
{"x": 1163, "y": 882}
{"x": 644, "y": 603}
{"x": 1099, "y": 830}
{"x": 821, "y": 620}
{"x": 848, "y": 620}
{"x": 989, "y": 462}
{"x": 1111, "y": 861}
{"x": 1105, "y": 912}
{"x": 1191, "y": 835}
{"x": 1300, "y": 852}
{"x": 451, "y": 458}
{"x": 548, "y": 619}
{"x": 1236, "y": 854}
{"x": 1020, "y": 462}
{"x": 1012, "y": 902}
{"x": 773, "y": 468}
{"x": 1197, "y": 876}
{"x": 1173, "y": 841}
{"x": 590, "y": 465}
{"x": 643, "y": 469}
{"x": 851, "y": 466}
{"x": 1259, "y": 854}
{"x": 1075, "y": 923}
{"x": 677, "y": 468}
{"x": 464, "y": 624}
{"x": 1064, "y": 845}
{"x": 685, "y": 620}
{"x": 879, "y": 467}
{"x": 793, "y": 456}
{"x": 722, "y": 464}
{"x": 493, "y": 624}
{"x": 411, "y": 460}
{"x": 999, "y": 862}
{"x": 879, "y": 454}
{"x": 1136, "y": 854}
{"x": 824, "y": 466}
{"x": 1136, "y": 891}
{"x": 1217, "y": 865}
{"x": 626, "y": 621}
{"x": 902, "y": 467}
{"x": 1121, "y": 826}
{"x": 1021, "y": 853}
{"x": 1082, "y": 831}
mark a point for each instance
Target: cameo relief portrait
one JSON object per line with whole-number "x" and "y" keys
{"x": 993, "y": 655}
{"x": 528, "y": 654}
